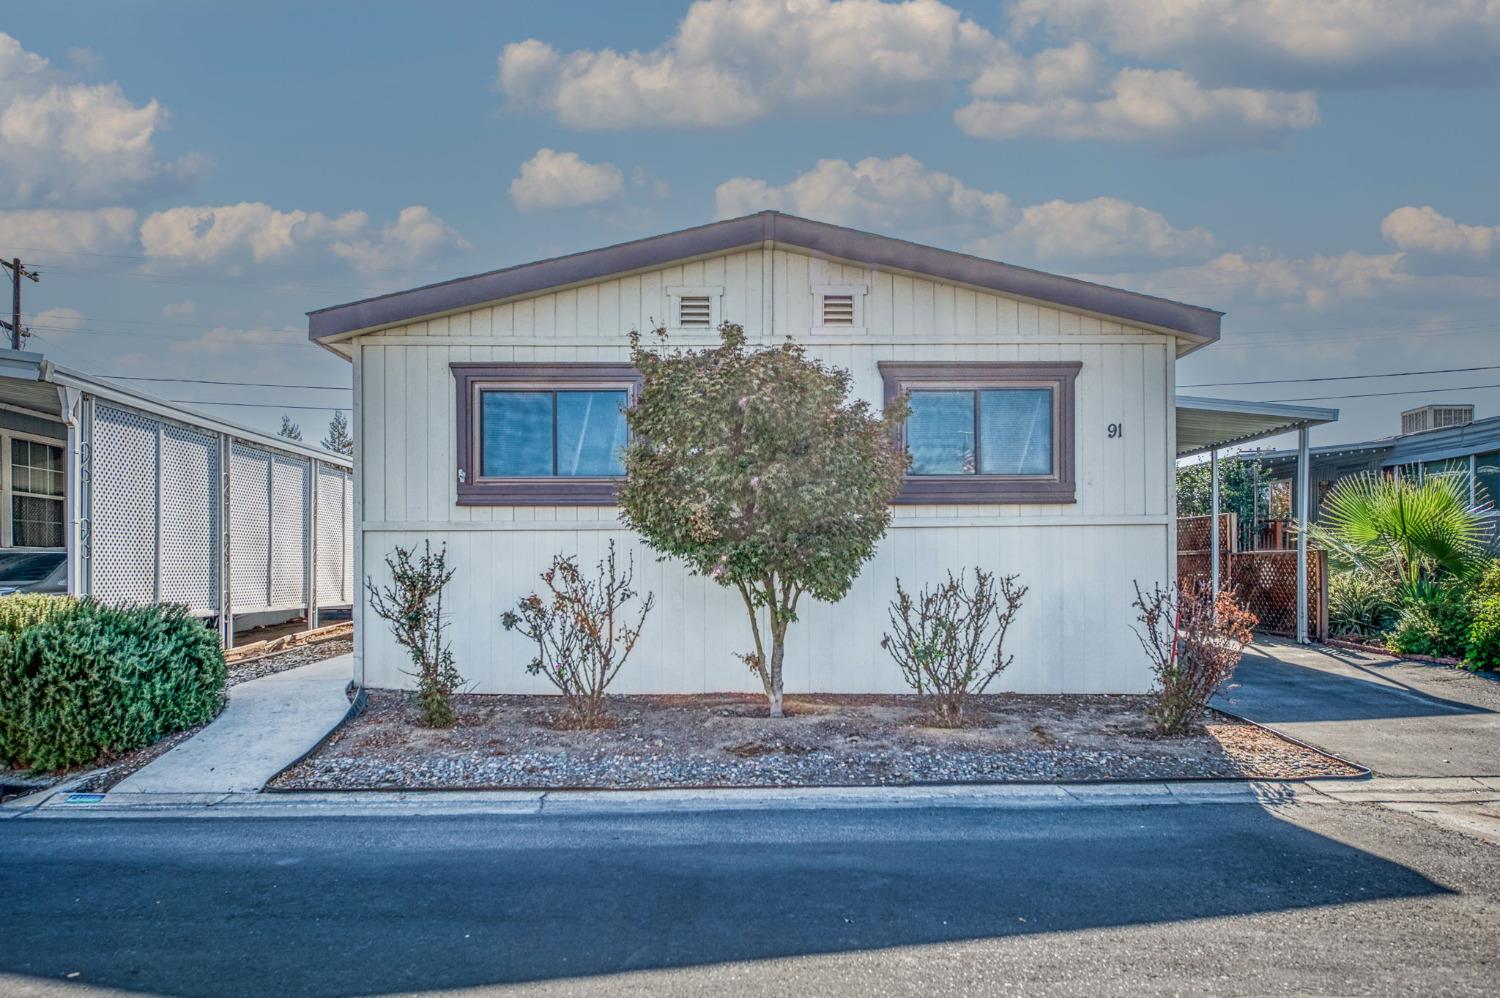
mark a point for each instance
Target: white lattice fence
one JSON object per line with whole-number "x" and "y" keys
{"x": 156, "y": 506}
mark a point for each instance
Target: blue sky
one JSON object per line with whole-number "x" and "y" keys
{"x": 191, "y": 178}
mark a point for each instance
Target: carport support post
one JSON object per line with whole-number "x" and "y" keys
{"x": 1302, "y": 535}
{"x": 1213, "y": 529}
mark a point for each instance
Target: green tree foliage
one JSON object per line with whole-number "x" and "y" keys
{"x": 88, "y": 681}
{"x": 289, "y": 429}
{"x": 1413, "y": 535}
{"x": 1238, "y": 479}
{"x": 757, "y": 469}
{"x": 339, "y": 439}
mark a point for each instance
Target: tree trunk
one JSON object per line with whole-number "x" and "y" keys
{"x": 778, "y": 644}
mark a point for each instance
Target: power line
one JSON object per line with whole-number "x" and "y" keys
{"x": 1373, "y": 395}
{"x": 1343, "y": 377}
{"x": 264, "y": 405}
{"x": 245, "y": 384}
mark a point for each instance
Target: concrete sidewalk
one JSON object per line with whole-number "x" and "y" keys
{"x": 267, "y": 725}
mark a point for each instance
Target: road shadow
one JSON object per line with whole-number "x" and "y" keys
{"x": 371, "y": 906}
{"x": 1269, "y": 689}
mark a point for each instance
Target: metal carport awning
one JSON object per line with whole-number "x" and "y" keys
{"x": 1209, "y": 425}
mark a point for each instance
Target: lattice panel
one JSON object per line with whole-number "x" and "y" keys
{"x": 1266, "y": 582}
{"x": 249, "y": 528}
{"x": 190, "y": 518}
{"x": 334, "y": 543}
{"x": 122, "y": 538}
{"x": 290, "y": 489}
{"x": 1194, "y": 532}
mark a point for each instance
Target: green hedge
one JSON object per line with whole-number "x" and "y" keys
{"x": 25, "y": 610}
{"x": 1436, "y": 624}
{"x": 88, "y": 681}
{"x": 1484, "y": 635}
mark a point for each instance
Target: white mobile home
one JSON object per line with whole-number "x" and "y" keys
{"x": 1043, "y": 428}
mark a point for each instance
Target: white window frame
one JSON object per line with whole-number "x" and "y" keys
{"x": 713, "y": 292}
{"x": 6, "y": 490}
{"x": 855, "y": 291}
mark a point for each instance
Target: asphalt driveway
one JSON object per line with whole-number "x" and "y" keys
{"x": 1398, "y": 718}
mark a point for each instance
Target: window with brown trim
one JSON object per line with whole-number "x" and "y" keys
{"x": 986, "y": 432}
{"x": 541, "y": 434}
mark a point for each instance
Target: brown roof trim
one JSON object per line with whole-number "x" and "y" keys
{"x": 765, "y": 227}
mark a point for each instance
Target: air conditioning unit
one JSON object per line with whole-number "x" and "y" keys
{"x": 1435, "y": 417}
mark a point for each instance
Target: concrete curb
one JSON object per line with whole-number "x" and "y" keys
{"x": 590, "y": 802}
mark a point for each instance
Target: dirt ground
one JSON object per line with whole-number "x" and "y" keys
{"x": 827, "y": 740}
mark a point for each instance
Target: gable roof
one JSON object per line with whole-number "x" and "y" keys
{"x": 766, "y": 228}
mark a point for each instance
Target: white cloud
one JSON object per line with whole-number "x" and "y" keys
{"x": 733, "y": 61}
{"x": 901, "y": 196}
{"x": 416, "y": 237}
{"x": 223, "y": 340}
{"x": 1289, "y": 42}
{"x": 249, "y": 231}
{"x": 1056, "y": 99}
{"x": 1101, "y": 228}
{"x": 78, "y": 143}
{"x": 179, "y": 310}
{"x": 53, "y": 326}
{"x": 1425, "y": 230}
{"x": 893, "y": 195}
{"x": 1316, "y": 281}
{"x": 62, "y": 231}
{"x": 252, "y": 232}
{"x": 553, "y": 179}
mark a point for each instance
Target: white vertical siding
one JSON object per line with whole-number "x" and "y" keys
{"x": 1079, "y": 559}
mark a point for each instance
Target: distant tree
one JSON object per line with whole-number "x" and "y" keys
{"x": 339, "y": 439}
{"x": 289, "y": 429}
{"x": 757, "y": 469}
{"x": 1238, "y": 480}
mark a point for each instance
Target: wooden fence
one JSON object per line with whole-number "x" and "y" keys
{"x": 1265, "y": 581}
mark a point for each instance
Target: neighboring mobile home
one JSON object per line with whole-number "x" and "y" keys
{"x": 487, "y": 413}
{"x": 108, "y": 492}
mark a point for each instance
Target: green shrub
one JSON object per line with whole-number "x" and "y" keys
{"x": 22, "y": 610}
{"x": 1361, "y": 604}
{"x": 1488, "y": 586}
{"x": 1434, "y": 623}
{"x": 98, "y": 680}
{"x": 1484, "y": 635}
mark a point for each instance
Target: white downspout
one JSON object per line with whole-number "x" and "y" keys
{"x": 71, "y": 401}
{"x": 1213, "y": 530}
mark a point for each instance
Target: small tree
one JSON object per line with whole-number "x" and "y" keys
{"x": 339, "y": 439}
{"x": 1194, "y": 642}
{"x": 1240, "y": 476}
{"x": 950, "y": 640}
{"x": 413, "y": 605}
{"x": 756, "y": 468}
{"x": 580, "y": 643}
{"x": 289, "y": 429}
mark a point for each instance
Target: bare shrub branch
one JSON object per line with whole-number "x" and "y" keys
{"x": 950, "y": 639}
{"x": 581, "y": 644}
{"x": 1194, "y": 642}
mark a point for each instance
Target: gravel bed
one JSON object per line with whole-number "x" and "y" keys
{"x": 268, "y": 665}
{"x": 724, "y": 740}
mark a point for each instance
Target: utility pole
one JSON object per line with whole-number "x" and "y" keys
{"x": 17, "y": 271}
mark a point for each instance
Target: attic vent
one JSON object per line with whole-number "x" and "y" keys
{"x": 838, "y": 310}
{"x": 693, "y": 310}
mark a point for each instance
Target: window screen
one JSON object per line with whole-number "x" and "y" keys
{"x": 540, "y": 434}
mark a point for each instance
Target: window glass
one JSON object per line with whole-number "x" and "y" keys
{"x": 541, "y": 434}
{"x": 1487, "y": 479}
{"x": 940, "y": 433}
{"x": 590, "y": 433}
{"x": 1015, "y": 431}
{"x": 515, "y": 434}
{"x": 37, "y": 485}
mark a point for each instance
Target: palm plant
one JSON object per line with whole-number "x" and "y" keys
{"x": 1411, "y": 534}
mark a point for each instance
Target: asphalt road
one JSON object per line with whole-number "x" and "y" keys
{"x": 1398, "y": 718}
{"x": 1218, "y": 899}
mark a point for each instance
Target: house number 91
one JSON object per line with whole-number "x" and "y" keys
{"x": 1116, "y": 430}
